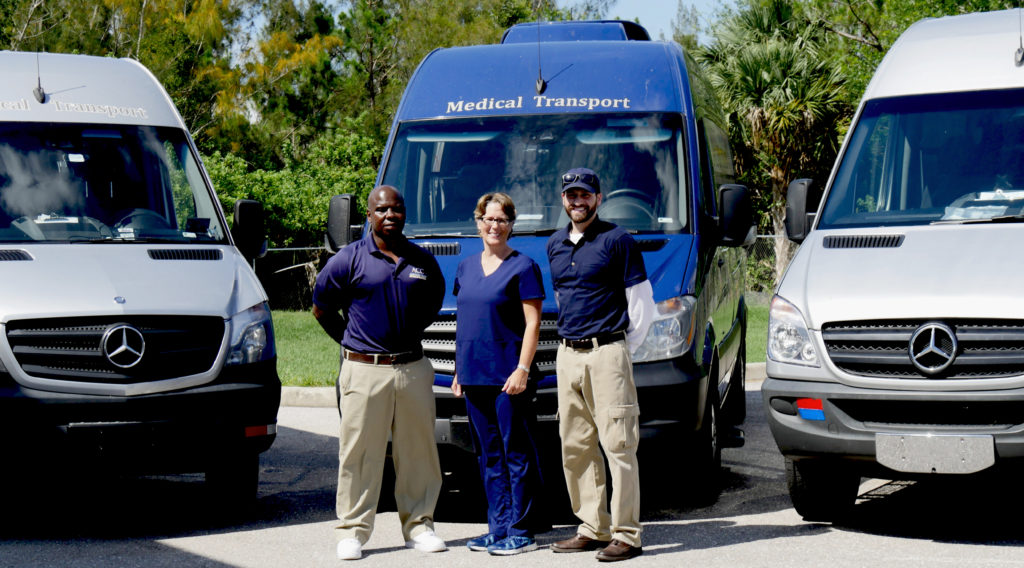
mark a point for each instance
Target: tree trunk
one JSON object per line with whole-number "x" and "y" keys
{"x": 784, "y": 248}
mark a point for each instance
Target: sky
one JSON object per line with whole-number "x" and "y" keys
{"x": 657, "y": 15}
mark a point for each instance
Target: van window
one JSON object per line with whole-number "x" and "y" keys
{"x": 84, "y": 183}
{"x": 950, "y": 158}
{"x": 443, "y": 166}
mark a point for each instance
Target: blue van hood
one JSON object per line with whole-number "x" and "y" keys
{"x": 668, "y": 268}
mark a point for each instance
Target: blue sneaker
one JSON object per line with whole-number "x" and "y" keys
{"x": 481, "y": 543}
{"x": 512, "y": 545}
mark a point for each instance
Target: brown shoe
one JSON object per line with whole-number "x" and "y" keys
{"x": 578, "y": 543}
{"x": 618, "y": 550}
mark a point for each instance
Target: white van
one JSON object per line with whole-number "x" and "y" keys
{"x": 896, "y": 338}
{"x": 132, "y": 329}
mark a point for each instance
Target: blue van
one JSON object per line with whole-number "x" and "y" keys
{"x": 512, "y": 117}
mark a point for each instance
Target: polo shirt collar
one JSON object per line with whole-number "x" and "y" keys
{"x": 596, "y": 226}
{"x": 400, "y": 248}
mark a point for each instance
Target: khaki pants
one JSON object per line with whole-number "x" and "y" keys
{"x": 377, "y": 400}
{"x": 597, "y": 403}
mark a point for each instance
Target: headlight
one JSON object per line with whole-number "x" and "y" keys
{"x": 788, "y": 338}
{"x": 671, "y": 333}
{"x": 252, "y": 336}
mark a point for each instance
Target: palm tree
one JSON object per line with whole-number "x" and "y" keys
{"x": 785, "y": 103}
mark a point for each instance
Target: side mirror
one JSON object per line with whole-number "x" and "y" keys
{"x": 801, "y": 208}
{"x": 736, "y": 215}
{"x": 248, "y": 230}
{"x": 343, "y": 222}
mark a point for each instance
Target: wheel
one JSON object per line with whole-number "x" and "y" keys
{"x": 232, "y": 479}
{"x": 705, "y": 453}
{"x": 143, "y": 219}
{"x": 821, "y": 490}
{"x": 629, "y": 192}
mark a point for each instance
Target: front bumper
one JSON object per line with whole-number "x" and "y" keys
{"x": 670, "y": 395}
{"x": 853, "y": 419}
{"x": 174, "y": 431}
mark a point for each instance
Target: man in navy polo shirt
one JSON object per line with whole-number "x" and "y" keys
{"x": 605, "y": 306}
{"x": 389, "y": 291}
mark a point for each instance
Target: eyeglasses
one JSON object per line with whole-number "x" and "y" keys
{"x": 493, "y": 221}
{"x": 589, "y": 179}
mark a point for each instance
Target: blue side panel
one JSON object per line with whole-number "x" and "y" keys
{"x": 582, "y": 77}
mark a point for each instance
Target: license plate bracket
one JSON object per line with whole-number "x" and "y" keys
{"x": 935, "y": 453}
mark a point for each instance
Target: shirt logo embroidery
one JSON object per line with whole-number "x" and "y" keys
{"x": 418, "y": 273}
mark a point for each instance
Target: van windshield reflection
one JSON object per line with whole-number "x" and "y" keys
{"x": 85, "y": 183}
{"x": 946, "y": 158}
{"x": 442, "y": 167}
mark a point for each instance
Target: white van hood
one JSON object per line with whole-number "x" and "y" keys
{"x": 940, "y": 271}
{"x": 110, "y": 279}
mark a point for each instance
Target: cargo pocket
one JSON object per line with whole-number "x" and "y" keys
{"x": 623, "y": 427}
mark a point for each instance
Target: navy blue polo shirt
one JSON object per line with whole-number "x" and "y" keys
{"x": 489, "y": 324}
{"x": 590, "y": 278}
{"x": 387, "y": 305}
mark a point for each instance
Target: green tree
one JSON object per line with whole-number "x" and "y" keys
{"x": 785, "y": 103}
{"x": 686, "y": 27}
{"x": 861, "y": 31}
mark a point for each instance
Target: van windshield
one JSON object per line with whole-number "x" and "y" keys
{"x": 442, "y": 167}
{"x": 943, "y": 158}
{"x": 102, "y": 183}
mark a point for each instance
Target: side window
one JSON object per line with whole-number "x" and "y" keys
{"x": 721, "y": 155}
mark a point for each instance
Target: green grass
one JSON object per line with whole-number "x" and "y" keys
{"x": 306, "y": 357}
{"x": 757, "y": 332}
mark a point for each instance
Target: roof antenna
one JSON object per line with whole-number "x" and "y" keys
{"x": 39, "y": 93}
{"x": 542, "y": 85}
{"x": 1018, "y": 57}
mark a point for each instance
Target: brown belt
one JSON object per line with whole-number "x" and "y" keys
{"x": 383, "y": 358}
{"x": 596, "y": 341}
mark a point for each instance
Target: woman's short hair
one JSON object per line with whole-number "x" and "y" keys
{"x": 507, "y": 206}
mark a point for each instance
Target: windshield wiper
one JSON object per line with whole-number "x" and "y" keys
{"x": 537, "y": 232}
{"x": 1019, "y": 218}
{"x": 440, "y": 236}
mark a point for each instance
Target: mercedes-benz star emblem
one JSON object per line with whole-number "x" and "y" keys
{"x": 123, "y": 345}
{"x": 933, "y": 348}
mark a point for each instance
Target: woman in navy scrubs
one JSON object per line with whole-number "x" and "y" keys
{"x": 499, "y": 294}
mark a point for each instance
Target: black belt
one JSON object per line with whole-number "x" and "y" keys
{"x": 383, "y": 358}
{"x": 596, "y": 341}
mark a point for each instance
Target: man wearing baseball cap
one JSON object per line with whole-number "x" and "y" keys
{"x": 605, "y": 306}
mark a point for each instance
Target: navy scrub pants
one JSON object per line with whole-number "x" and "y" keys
{"x": 502, "y": 427}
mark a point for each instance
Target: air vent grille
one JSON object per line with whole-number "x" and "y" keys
{"x": 863, "y": 241}
{"x": 443, "y": 249}
{"x": 185, "y": 254}
{"x": 14, "y": 255}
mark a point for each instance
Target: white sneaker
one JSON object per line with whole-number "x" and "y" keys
{"x": 350, "y": 549}
{"x": 427, "y": 541}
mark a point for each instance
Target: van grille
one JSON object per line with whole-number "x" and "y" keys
{"x": 71, "y": 349}
{"x": 985, "y": 348}
{"x": 439, "y": 345}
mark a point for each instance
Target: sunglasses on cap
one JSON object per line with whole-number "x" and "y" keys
{"x": 589, "y": 179}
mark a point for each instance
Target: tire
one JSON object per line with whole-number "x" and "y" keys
{"x": 705, "y": 453}
{"x": 232, "y": 480}
{"x": 821, "y": 490}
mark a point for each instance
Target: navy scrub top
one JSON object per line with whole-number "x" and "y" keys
{"x": 489, "y": 323}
